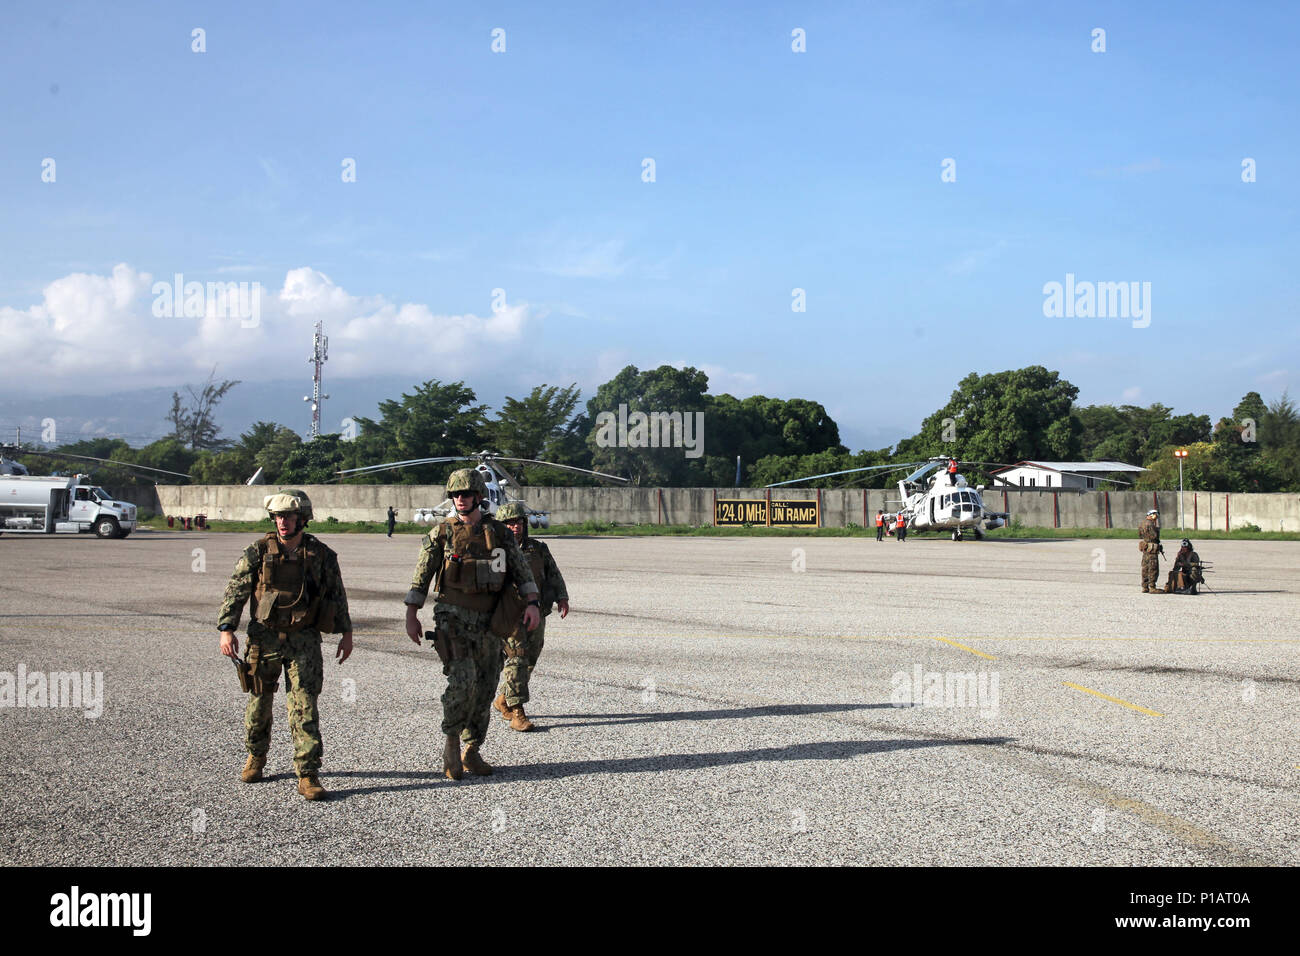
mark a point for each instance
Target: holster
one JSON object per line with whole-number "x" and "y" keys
{"x": 256, "y": 685}
{"x": 241, "y": 671}
{"x": 447, "y": 648}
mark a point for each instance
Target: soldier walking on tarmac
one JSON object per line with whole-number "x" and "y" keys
{"x": 524, "y": 647}
{"x": 472, "y": 557}
{"x": 296, "y": 590}
{"x": 1151, "y": 548}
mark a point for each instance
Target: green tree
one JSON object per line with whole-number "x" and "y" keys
{"x": 1279, "y": 433}
{"x": 664, "y": 389}
{"x": 1203, "y": 470}
{"x": 273, "y": 454}
{"x": 1002, "y": 417}
{"x": 194, "y": 423}
{"x": 432, "y": 421}
{"x": 222, "y": 468}
{"x": 317, "y": 462}
{"x": 540, "y": 426}
{"x": 167, "y": 453}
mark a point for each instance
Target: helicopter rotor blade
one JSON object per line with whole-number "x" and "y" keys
{"x": 924, "y": 470}
{"x": 847, "y": 471}
{"x": 1075, "y": 474}
{"x": 552, "y": 464}
{"x": 510, "y": 479}
{"x": 108, "y": 461}
{"x": 402, "y": 464}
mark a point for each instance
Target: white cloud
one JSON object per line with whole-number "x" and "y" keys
{"x": 1132, "y": 394}
{"x": 95, "y": 332}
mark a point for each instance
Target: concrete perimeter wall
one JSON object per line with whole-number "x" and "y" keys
{"x": 694, "y": 506}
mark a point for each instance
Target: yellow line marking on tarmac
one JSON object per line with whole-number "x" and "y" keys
{"x": 1113, "y": 700}
{"x": 965, "y": 648}
{"x": 988, "y": 637}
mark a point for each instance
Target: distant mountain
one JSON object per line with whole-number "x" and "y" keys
{"x": 139, "y": 416}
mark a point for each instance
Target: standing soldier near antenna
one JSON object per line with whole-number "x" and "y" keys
{"x": 473, "y": 558}
{"x": 1151, "y": 548}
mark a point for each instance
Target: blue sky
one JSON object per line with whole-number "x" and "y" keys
{"x": 775, "y": 170}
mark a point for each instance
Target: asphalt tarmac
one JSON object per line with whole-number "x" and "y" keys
{"x": 708, "y": 701}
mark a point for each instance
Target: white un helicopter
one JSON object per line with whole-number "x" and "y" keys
{"x": 497, "y": 479}
{"x": 935, "y": 497}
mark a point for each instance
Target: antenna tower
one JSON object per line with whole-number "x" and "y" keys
{"x": 320, "y": 345}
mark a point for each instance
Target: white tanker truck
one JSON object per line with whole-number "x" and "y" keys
{"x": 68, "y": 505}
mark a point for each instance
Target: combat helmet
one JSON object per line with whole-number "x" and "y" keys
{"x": 288, "y": 501}
{"x": 512, "y": 511}
{"x": 467, "y": 479}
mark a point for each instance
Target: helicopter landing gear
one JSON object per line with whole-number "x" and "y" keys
{"x": 979, "y": 535}
{"x": 956, "y": 536}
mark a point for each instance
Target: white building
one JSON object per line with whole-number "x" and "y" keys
{"x": 1062, "y": 475}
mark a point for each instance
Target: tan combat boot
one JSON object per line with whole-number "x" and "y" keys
{"x": 500, "y": 705}
{"x": 451, "y": 765}
{"x": 310, "y": 788}
{"x": 252, "y": 771}
{"x": 473, "y": 763}
{"x": 519, "y": 720}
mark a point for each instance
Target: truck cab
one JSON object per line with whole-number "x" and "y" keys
{"x": 92, "y": 508}
{"x": 31, "y": 504}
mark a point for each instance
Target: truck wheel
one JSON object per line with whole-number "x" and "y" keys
{"x": 106, "y": 527}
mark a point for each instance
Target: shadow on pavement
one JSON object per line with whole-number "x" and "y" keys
{"x": 658, "y": 763}
{"x": 826, "y": 750}
{"x": 729, "y": 713}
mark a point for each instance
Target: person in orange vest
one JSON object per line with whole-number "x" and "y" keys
{"x": 901, "y": 527}
{"x": 880, "y": 525}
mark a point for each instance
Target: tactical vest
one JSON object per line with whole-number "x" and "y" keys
{"x": 536, "y": 564}
{"x": 287, "y": 598}
{"x": 467, "y": 577}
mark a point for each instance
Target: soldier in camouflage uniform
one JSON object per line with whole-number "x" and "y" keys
{"x": 1149, "y": 544}
{"x": 296, "y": 589}
{"x": 473, "y": 557}
{"x": 524, "y": 646}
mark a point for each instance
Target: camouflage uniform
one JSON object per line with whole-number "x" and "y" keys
{"x": 471, "y": 680}
{"x": 525, "y": 647}
{"x": 1186, "y": 572}
{"x": 1149, "y": 533}
{"x": 295, "y": 652}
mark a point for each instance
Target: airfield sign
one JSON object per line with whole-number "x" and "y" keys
{"x": 735, "y": 512}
